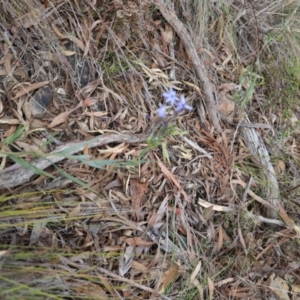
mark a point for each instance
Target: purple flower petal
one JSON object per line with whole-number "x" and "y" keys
{"x": 170, "y": 97}
{"x": 181, "y": 105}
{"x": 162, "y": 111}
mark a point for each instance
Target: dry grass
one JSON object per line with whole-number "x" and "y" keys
{"x": 124, "y": 221}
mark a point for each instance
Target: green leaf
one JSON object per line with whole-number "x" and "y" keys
{"x": 165, "y": 152}
{"x": 13, "y": 137}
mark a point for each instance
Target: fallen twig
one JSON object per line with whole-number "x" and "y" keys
{"x": 258, "y": 218}
{"x": 261, "y": 158}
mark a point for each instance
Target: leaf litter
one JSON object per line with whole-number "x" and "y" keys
{"x": 179, "y": 222}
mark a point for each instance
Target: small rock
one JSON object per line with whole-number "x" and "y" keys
{"x": 41, "y": 100}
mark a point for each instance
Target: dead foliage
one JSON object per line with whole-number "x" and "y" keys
{"x": 192, "y": 216}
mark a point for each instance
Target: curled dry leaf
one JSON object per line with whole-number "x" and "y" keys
{"x": 1, "y": 106}
{"x": 279, "y": 167}
{"x": 210, "y": 288}
{"x": 195, "y": 272}
{"x": 194, "y": 86}
{"x": 168, "y": 277}
{"x": 137, "y": 241}
{"x": 75, "y": 211}
{"x": 214, "y": 207}
{"x": 10, "y": 131}
{"x": 10, "y": 121}
{"x": 61, "y": 118}
{"x": 225, "y": 108}
{"x": 69, "y": 53}
{"x": 89, "y": 101}
{"x": 73, "y": 39}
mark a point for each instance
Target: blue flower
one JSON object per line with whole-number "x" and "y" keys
{"x": 162, "y": 111}
{"x": 170, "y": 97}
{"x": 181, "y": 105}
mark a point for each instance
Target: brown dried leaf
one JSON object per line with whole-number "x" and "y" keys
{"x": 296, "y": 289}
{"x": 240, "y": 234}
{"x": 73, "y": 39}
{"x": 61, "y": 118}
{"x": 69, "y": 53}
{"x": 174, "y": 180}
{"x": 194, "y": 86}
{"x": 7, "y": 62}
{"x": 137, "y": 241}
{"x": 26, "y": 90}
{"x": 95, "y": 113}
{"x": 139, "y": 266}
{"x": 56, "y": 30}
{"x": 75, "y": 211}
{"x": 279, "y": 167}
{"x": 210, "y": 288}
{"x": 27, "y": 110}
{"x": 10, "y": 131}
{"x": 168, "y": 277}
{"x": 285, "y": 218}
{"x": 225, "y": 108}
{"x": 137, "y": 191}
{"x": 220, "y": 239}
{"x": 89, "y": 101}
{"x": 1, "y": 106}
{"x": 215, "y": 207}
{"x": 10, "y": 121}
{"x": 195, "y": 272}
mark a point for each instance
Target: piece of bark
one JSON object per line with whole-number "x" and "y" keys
{"x": 261, "y": 158}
